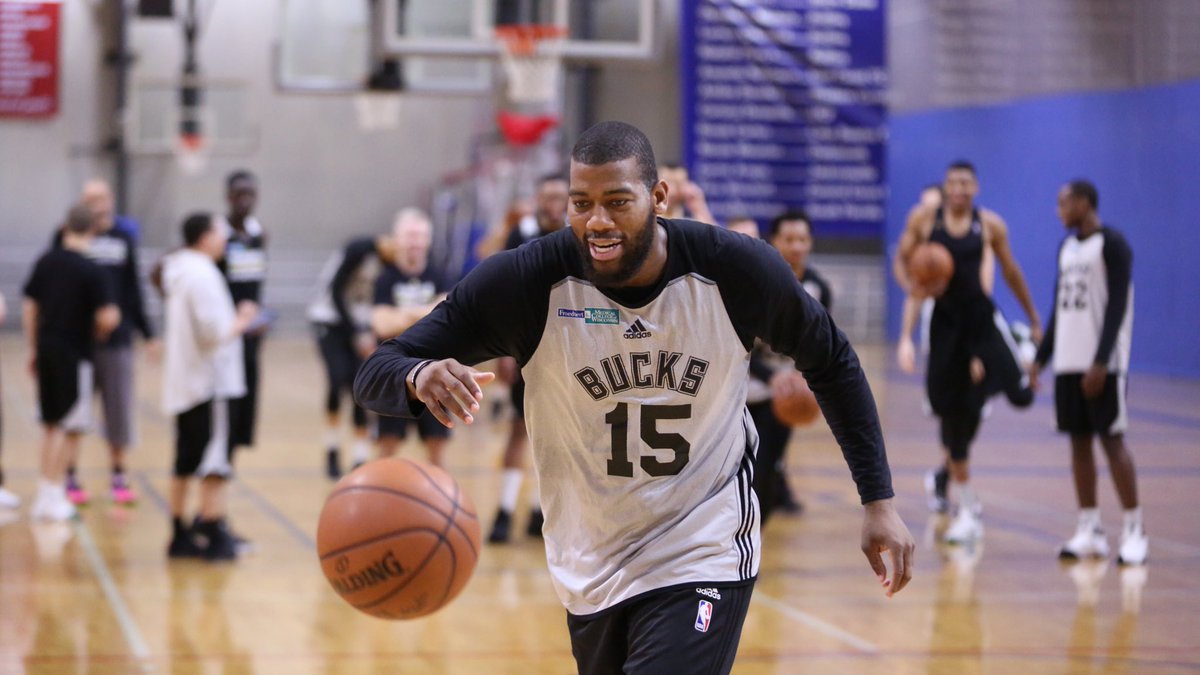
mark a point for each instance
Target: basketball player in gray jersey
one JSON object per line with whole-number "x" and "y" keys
{"x": 634, "y": 332}
{"x": 1089, "y": 335}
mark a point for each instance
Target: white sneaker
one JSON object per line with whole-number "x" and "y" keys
{"x": 966, "y": 527}
{"x": 52, "y": 505}
{"x": 1134, "y": 547}
{"x": 1089, "y": 541}
{"x": 9, "y": 500}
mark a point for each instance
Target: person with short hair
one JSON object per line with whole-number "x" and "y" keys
{"x": 244, "y": 265}
{"x": 115, "y": 251}
{"x": 634, "y": 333}
{"x": 203, "y": 372}
{"x": 685, "y": 197}
{"x": 407, "y": 290}
{"x": 69, "y": 306}
{"x": 341, "y": 318}
{"x": 790, "y": 233}
{"x": 1089, "y": 336}
{"x": 549, "y": 216}
{"x": 972, "y": 353}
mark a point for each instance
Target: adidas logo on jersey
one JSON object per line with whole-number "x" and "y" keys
{"x": 710, "y": 592}
{"x": 636, "y": 331}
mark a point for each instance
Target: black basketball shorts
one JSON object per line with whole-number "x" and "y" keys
{"x": 690, "y": 629}
{"x": 427, "y": 426}
{"x": 202, "y": 440}
{"x": 1107, "y": 414}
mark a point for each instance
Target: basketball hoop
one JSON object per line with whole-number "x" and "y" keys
{"x": 532, "y": 58}
{"x": 377, "y": 110}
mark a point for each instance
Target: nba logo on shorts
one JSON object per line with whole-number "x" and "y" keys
{"x": 703, "y": 616}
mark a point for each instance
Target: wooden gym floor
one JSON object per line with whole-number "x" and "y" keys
{"x": 98, "y": 596}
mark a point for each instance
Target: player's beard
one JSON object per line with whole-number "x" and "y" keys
{"x": 634, "y": 256}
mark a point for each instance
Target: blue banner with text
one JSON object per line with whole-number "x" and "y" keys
{"x": 784, "y": 108}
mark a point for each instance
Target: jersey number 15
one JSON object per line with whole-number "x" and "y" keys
{"x": 618, "y": 420}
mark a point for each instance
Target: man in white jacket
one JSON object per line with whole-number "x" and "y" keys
{"x": 202, "y": 370}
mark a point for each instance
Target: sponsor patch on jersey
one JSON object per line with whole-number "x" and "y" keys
{"x": 601, "y": 315}
{"x": 570, "y": 313}
{"x": 710, "y": 592}
{"x": 704, "y": 616}
{"x": 637, "y": 331}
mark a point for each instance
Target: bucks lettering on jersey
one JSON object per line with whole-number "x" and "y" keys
{"x": 1085, "y": 269}
{"x": 635, "y": 404}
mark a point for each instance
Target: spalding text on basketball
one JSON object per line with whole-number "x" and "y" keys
{"x": 378, "y": 572}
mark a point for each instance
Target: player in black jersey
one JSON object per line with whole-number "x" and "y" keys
{"x": 634, "y": 333}
{"x": 550, "y": 213}
{"x": 341, "y": 318}
{"x": 790, "y": 233}
{"x": 245, "y": 267}
{"x": 971, "y": 353}
{"x": 1089, "y": 335}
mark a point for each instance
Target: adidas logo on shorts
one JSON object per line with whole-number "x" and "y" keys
{"x": 636, "y": 331}
{"x": 710, "y": 592}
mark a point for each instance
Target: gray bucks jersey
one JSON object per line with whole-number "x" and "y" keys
{"x": 1093, "y": 310}
{"x": 635, "y": 401}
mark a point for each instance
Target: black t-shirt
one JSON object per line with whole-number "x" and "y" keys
{"x": 395, "y": 288}
{"x": 68, "y": 289}
{"x": 116, "y": 253}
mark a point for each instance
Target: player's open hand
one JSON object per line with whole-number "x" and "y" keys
{"x": 883, "y": 531}
{"x": 449, "y": 389}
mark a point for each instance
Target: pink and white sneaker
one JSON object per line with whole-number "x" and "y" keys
{"x": 76, "y": 494}
{"x": 122, "y": 494}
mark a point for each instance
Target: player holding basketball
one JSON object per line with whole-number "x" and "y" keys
{"x": 970, "y": 358}
{"x": 1089, "y": 335}
{"x": 790, "y": 234}
{"x": 551, "y": 215}
{"x": 634, "y": 332}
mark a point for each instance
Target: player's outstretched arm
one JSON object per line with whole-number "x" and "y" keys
{"x": 884, "y": 532}
{"x": 1011, "y": 269}
{"x": 448, "y": 389}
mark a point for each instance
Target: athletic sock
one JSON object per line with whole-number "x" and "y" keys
{"x": 1133, "y": 519}
{"x": 1089, "y": 516}
{"x": 966, "y": 494}
{"x": 510, "y": 489}
{"x": 361, "y": 450}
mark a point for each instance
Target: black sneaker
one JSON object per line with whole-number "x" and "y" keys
{"x": 333, "y": 466}
{"x": 183, "y": 545}
{"x": 218, "y": 541}
{"x": 243, "y": 545}
{"x": 500, "y": 527}
{"x": 935, "y": 490}
{"x": 536, "y": 520}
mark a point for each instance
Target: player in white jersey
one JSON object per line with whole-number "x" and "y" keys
{"x": 634, "y": 333}
{"x": 1089, "y": 335}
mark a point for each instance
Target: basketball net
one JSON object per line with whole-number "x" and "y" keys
{"x": 191, "y": 153}
{"x": 531, "y": 55}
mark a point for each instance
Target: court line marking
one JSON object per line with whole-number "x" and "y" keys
{"x": 133, "y": 636}
{"x": 273, "y": 512}
{"x": 817, "y": 624}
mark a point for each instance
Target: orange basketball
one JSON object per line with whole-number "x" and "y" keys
{"x": 398, "y": 539}
{"x": 931, "y": 267}
{"x": 798, "y": 409}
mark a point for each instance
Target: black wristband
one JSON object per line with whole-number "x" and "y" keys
{"x": 417, "y": 371}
